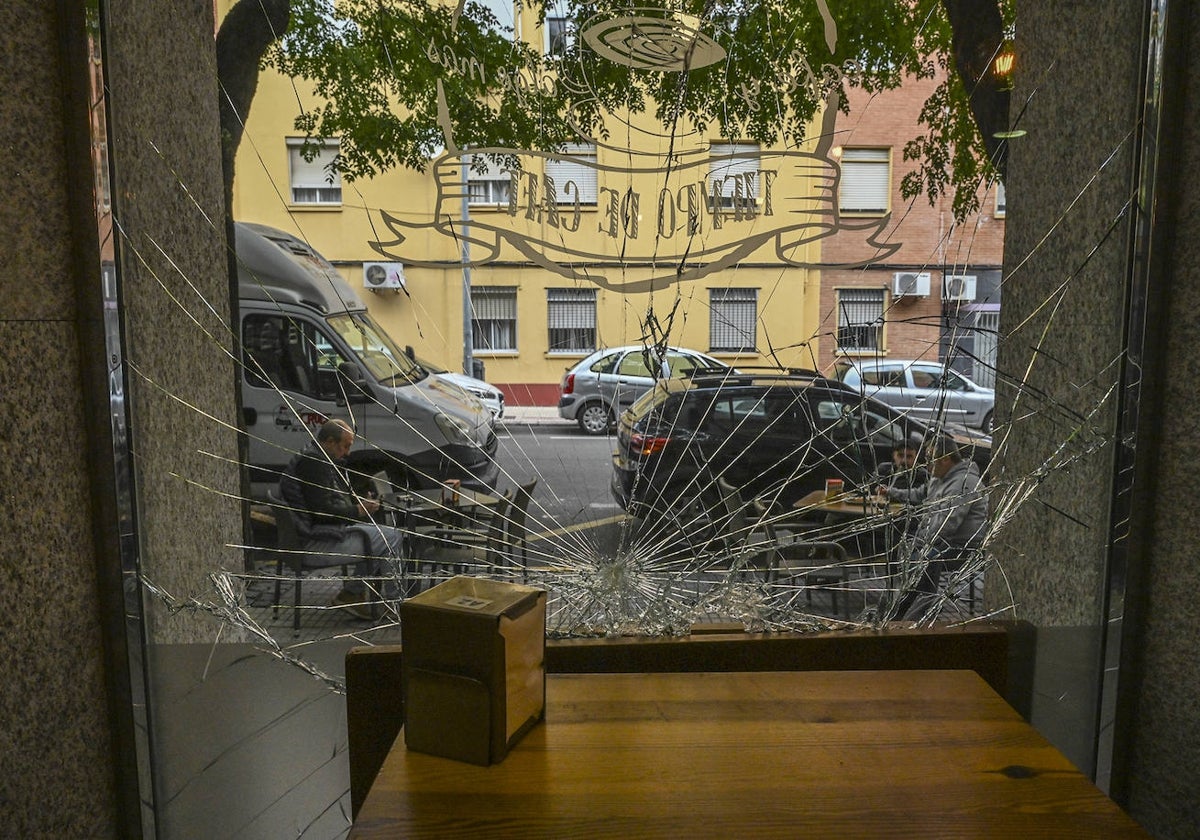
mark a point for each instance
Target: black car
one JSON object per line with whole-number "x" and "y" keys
{"x": 780, "y": 434}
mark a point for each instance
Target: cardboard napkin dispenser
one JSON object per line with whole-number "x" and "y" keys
{"x": 474, "y": 672}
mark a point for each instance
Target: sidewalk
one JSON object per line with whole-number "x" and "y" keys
{"x": 533, "y": 415}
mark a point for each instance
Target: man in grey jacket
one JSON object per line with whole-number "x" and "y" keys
{"x": 952, "y": 519}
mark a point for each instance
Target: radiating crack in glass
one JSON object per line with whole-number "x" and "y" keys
{"x": 695, "y": 553}
{"x": 685, "y": 562}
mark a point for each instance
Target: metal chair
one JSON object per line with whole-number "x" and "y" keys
{"x": 822, "y": 564}
{"x": 818, "y": 564}
{"x": 517, "y": 531}
{"x": 458, "y": 547}
{"x": 292, "y": 553}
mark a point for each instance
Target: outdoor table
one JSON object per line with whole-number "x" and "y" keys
{"x": 766, "y": 754}
{"x": 846, "y": 505}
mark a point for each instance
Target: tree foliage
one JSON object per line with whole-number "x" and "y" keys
{"x": 380, "y": 66}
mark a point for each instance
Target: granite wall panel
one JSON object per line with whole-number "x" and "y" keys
{"x": 56, "y": 766}
{"x": 176, "y": 300}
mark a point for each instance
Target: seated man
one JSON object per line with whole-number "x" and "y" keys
{"x": 339, "y": 521}
{"x": 904, "y": 473}
{"x": 951, "y": 519}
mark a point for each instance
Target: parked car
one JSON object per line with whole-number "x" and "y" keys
{"x": 778, "y": 434}
{"x": 491, "y": 396}
{"x": 597, "y": 389}
{"x": 926, "y": 390}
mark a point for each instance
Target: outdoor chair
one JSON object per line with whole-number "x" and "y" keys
{"x": 456, "y": 547}
{"x": 743, "y": 543}
{"x": 517, "y": 531}
{"x": 293, "y": 559}
{"x": 822, "y": 564}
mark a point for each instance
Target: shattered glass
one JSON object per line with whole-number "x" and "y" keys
{"x": 718, "y": 541}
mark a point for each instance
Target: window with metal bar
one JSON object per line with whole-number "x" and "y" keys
{"x": 860, "y": 320}
{"x": 733, "y": 319}
{"x": 494, "y": 317}
{"x": 571, "y": 320}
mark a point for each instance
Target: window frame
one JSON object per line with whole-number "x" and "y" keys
{"x": 563, "y": 168}
{"x": 721, "y": 324}
{"x": 497, "y": 298}
{"x": 880, "y": 330}
{"x": 495, "y": 175}
{"x": 566, "y": 36}
{"x": 571, "y": 303}
{"x": 300, "y": 172}
{"x": 857, "y": 170}
{"x": 722, "y": 157}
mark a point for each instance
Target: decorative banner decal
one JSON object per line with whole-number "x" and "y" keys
{"x": 702, "y": 214}
{"x": 652, "y": 43}
{"x": 690, "y": 226}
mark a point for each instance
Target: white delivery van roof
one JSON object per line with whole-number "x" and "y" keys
{"x": 276, "y": 266}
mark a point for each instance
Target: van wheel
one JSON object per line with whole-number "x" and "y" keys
{"x": 595, "y": 419}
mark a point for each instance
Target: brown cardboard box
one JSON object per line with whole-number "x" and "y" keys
{"x": 474, "y": 674}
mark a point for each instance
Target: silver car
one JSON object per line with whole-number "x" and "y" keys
{"x": 596, "y": 390}
{"x": 488, "y": 394}
{"x": 927, "y": 390}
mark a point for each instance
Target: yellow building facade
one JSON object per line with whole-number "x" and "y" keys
{"x": 618, "y": 242}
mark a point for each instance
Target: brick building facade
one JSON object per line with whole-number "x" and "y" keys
{"x": 952, "y": 271}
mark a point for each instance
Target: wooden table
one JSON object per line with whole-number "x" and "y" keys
{"x": 847, "y": 504}
{"x": 749, "y": 755}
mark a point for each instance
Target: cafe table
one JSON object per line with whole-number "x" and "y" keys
{"x": 845, "y": 505}
{"x": 766, "y": 754}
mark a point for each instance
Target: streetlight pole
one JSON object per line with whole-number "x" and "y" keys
{"x": 468, "y": 345}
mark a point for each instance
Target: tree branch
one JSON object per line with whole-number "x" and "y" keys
{"x": 246, "y": 34}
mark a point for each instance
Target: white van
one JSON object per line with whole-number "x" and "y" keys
{"x": 311, "y": 352}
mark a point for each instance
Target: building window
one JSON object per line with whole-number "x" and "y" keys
{"x": 733, "y": 317}
{"x": 574, "y": 177}
{"x": 494, "y": 318}
{"x": 860, "y": 320}
{"x": 866, "y": 181}
{"x": 1001, "y": 201}
{"x": 559, "y": 37}
{"x": 313, "y": 182}
{"x": 733, "y": 177}
{"x": 489, "y": 184}
{"x": 571, "y": 319}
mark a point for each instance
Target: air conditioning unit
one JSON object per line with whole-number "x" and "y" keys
{"x": 958, "y": 287}
{"x": 383, "y": 275}
{"x": 910, "y": 284}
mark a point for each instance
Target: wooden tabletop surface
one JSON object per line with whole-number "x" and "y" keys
{"x": 768, "y": 754}
{"x": 849, "y": 504}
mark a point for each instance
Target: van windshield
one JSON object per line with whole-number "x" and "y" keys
{"x": 375, "y": 350}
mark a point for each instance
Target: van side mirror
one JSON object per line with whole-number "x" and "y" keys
{"x": 353, "y": 386}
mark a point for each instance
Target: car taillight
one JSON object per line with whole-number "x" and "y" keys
{"x": 568, "y": 385}
{"x": 647, "y": 444}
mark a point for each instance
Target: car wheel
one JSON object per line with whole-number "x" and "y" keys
{"x": 595, "y": 419}
{"x": 986, "y": 427}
